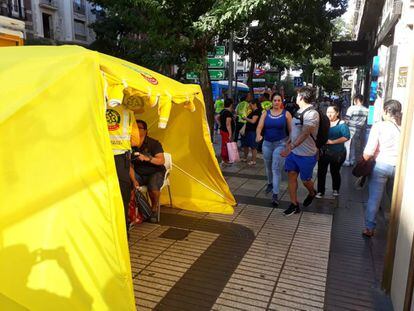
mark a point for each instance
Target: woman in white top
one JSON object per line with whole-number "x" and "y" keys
{"x": 383, "y": 146}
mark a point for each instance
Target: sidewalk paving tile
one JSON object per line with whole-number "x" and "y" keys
{"x": 256, "y": 259}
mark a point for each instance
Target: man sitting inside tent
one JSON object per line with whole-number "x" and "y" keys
{"x": 148, "y": 166}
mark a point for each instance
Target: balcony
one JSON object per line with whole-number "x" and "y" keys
{"x": 79, "y": 7}
{"x": 13, "y": 10}
{"x": 49, "y": 4}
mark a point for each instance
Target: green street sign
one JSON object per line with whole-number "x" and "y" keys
{"x": 191, "y": 75}
{"x": 220, "y": 50}
{"x": 215, "y": 62}
{"x": 216, "y": 74}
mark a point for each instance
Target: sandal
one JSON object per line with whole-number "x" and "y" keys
{"x": 244, "y": 160}
{"x": 368, "y": 232}
{"x": 251, "y": 163}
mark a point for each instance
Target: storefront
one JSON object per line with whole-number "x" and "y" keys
{"x": 388, "y": 26}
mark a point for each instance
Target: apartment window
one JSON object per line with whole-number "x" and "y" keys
{"x": 79, "y": 6}
{"x": 16, "y": 8}
{"x": 80, "y": 30}
{"x": 47, "y": 26}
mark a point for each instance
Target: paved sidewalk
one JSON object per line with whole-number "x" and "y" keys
{"x": 258, "y": 259}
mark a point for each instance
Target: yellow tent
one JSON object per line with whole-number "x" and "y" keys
{"x": 62, "y": 237}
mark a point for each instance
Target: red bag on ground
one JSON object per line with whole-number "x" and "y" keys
{"x": 135, "y": 216}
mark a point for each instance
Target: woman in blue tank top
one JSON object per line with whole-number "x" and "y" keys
{"x": 274, "y": 128}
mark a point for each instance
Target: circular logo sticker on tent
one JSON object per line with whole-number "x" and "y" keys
{"x": 113, "y": 119}
{"x": 149, "y": 78}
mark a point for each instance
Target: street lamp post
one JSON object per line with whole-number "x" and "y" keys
{"x": 231, "y": 66}
{"x": 253, "y": 24}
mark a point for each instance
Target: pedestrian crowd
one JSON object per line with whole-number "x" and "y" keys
{"x": 298, "y": 136}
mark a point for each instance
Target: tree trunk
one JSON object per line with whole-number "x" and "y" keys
{"x": 205, "y": 85}
{"x": 250, "y": 76}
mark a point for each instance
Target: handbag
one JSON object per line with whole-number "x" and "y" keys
{"x": 363, "y": 167}
{"x": 135, "y": 216}
{"x": 325, "y": 152}
{"x": 233, "y": 152}
{"x": 143, "y": 205}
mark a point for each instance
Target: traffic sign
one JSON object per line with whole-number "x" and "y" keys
{"x": 347, "y": 84}
{"x": 191, "y": 75}
{"x": 215, "y": 62}
{"x": 216, "y": 74}
{"x": 298, "y": 81}
{"x": 220, "y": 50}
{"x": 258, "y": 72}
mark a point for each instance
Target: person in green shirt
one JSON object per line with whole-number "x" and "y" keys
{"x": 242, "y": 110}
{"x": 218, "y": 108}
{"x": 219, "y": 105}
{"x": 265, "y": 102}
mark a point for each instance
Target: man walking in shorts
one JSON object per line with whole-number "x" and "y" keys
{"x": 301, "y": 152}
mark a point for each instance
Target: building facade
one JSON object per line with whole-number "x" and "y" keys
{"x": 15, "y": 20}
{"x": 63, "y": 20}
{"x": 388, "y": 27}
{"x": 58, "y": 21}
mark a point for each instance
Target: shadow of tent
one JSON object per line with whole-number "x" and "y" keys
{"x": 15, "y": 294}
{"x": 204, "y": 281}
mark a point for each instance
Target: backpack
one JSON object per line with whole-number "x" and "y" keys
{"x": 323, "y": 129}
{"x": 144, "y": 208}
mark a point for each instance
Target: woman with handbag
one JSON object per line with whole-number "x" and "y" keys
{"x": 249, "y": 135}
{"x": 383, "y": 146}
{"x": 274, "y": 128}
{"x": 227, "y": 127}
{"x": 333, "y": 154}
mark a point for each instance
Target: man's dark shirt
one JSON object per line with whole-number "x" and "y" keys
{"x": 151, "y": 147}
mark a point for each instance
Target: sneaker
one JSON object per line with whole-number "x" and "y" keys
{"x": 269, "y": 188}
{"x": 292, "y": 209}
{"x": 308, "y": 200}
{"x": 319, "y": 195}
{"x": 335, "y": 193}
{"x": 154, "y": 218}
{"x": 275, "y": 200}
{"x": 368, "y": 232}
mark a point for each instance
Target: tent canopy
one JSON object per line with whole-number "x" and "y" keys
{"x": 62, "y": 233}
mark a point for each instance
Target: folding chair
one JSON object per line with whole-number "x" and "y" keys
{"x": 168, "y": 167}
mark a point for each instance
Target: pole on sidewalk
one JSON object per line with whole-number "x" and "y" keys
{"x": 236, "y": 98}
{"x": 231, "y": 66}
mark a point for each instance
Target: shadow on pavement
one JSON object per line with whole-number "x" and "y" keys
{"x": 205, "y": 280}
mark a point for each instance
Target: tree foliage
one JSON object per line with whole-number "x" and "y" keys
{"x": 289, "y": 32}
{"x": 161, "y": 33}
{"x": 320, "y": 65}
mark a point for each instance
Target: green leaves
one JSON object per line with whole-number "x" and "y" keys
{"x": 228, "y": 13}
